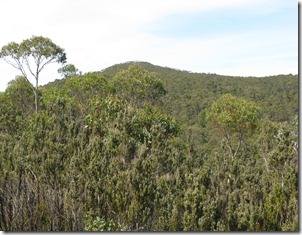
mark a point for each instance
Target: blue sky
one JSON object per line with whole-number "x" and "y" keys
{"x": 214, "y": 23}
{"x": 228, "y": 37}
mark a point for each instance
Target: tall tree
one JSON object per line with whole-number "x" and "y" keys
{"x": 31, "y": 56}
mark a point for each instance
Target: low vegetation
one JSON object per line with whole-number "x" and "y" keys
{"x": 139, "y": 147}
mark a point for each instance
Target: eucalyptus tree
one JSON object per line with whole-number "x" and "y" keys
{"x": 31, "y": 56}
{"x": 233, "y": 117}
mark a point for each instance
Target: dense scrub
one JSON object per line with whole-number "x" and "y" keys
{"x": 139, "y": 149}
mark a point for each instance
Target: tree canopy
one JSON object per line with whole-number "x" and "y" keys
{"x": 233, "y": 117}
{"x": 69, "y": 70}
{"x": 138, "y": 84}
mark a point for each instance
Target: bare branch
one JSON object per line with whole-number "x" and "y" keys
{"x": 28, "y": 66}
{"x": 52, "y": 60}
{"x": 11, "y": 63}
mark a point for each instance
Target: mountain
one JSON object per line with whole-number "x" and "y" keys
{"x": 189, "y": 93}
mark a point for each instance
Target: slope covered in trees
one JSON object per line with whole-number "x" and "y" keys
{"x": 138, "y": 147}
{"x": 188, "y": 94}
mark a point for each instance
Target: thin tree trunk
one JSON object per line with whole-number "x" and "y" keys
{"x": 266, "y": 164}
{"x": 238, "y": 146}
{"x": 36, "y": 96}
{"x": 265, "y": 156}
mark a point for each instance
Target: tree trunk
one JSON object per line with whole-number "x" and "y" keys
{"x": 266, "y": 164}
{"x": 36, "y": 96}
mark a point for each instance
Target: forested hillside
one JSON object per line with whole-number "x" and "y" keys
{"x": 138, "y": 147}
{"x": 189, "y": 94}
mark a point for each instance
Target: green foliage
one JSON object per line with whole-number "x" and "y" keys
{"x": 98, "y": 224}
{"x": 31, "y": 56}
{"x": 69, "y": 70}
{"x": 189, "y": 94}
{"x": 15, "y": 105}
{"x": 103, "y": 156}
{"x": 233, "y": 115}
{"x": 81, "y": 88}
{"x": 86, "y": 86}
{"x": 138, "y": 85}
{"x": 234, "y": 118}
{"x": 41, "y": 48}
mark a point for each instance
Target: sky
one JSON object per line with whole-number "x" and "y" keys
{"x": 227, "y": 37}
